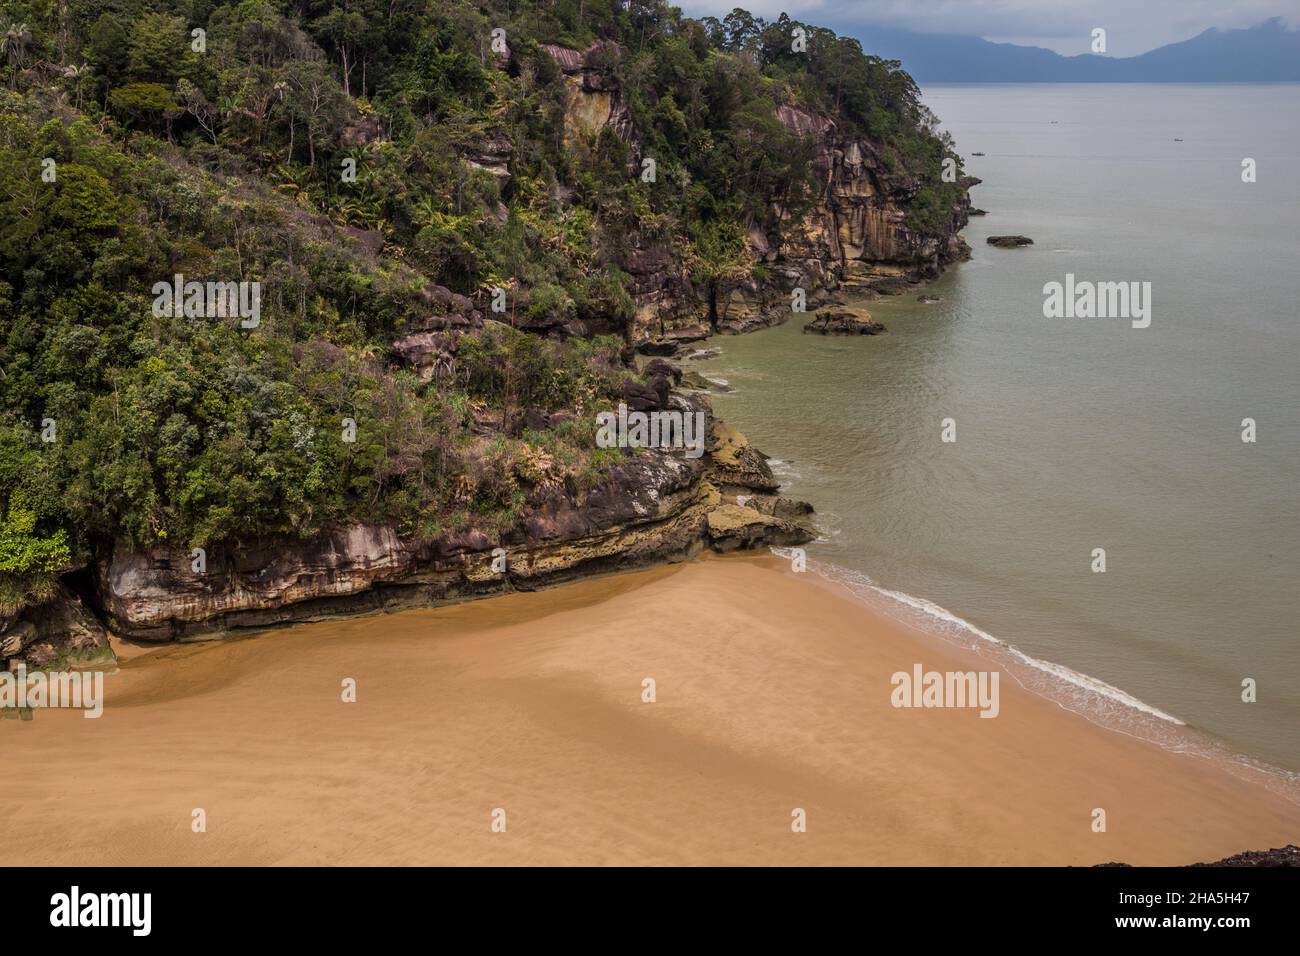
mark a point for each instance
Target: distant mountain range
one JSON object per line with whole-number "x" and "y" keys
{"x": 1265, "y": 53}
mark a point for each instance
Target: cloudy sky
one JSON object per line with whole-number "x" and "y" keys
{"x": 1132, "y": 26}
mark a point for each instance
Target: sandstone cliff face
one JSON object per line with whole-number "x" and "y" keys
{"x": 859, "y": 225}
{"x": 649, "y": 508}
{"x": 855, "y": 239}
{"x": 592, "y": 97}
{"x": 44, "y": 635}
{"x": 656, "y": 506}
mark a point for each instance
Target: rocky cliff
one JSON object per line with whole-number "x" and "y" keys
{"x": 855, "y": 239}
{"x": 858, "y": 228}
{"x": 854, "y": 234}
{"x": 655, "y": 506}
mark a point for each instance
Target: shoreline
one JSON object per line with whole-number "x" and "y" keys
{"x": 772, "y": 694}
{"x": 1108, "y": 707}
{"x": 1107, "y": 701}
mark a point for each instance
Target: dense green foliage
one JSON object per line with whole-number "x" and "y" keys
{"x": 219, "y": 155}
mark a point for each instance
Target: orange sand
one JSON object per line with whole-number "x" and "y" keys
{"x": 772, "y": 694}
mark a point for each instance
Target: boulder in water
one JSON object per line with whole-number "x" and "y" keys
{"x": 843, "y": 322}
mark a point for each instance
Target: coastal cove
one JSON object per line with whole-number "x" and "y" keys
{"x": 485, "y": 433}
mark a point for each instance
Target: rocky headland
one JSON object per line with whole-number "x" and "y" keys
{"x": 854, "y": 239}
{"x": 854, "y": 236}
{"x": 657, "y": 506}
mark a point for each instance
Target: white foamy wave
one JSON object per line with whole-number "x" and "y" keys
{"x": 1059, "y": 671}
{"x": 958, "y": 626}
{"x": 829, "y": 526}
{"x": 1093, "y": 699}
{"x": 783, "y": 470}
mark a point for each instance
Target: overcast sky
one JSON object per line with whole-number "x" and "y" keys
{"x": 1132, "y": 26}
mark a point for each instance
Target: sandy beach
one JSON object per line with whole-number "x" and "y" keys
{"x": 772, "y": 693}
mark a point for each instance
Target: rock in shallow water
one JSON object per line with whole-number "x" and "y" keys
{"x": 779, "y": 506}
{"x": 1009, "y": 242}
{"x": 843, "y": 322}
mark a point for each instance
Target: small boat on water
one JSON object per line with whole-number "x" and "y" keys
{"x": 977, "y": 154}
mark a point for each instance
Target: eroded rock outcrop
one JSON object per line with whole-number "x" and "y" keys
{"x": 737, "y": 466}
{"x": 656, "y": 506}
{"x": 431, "y": 354}
{"x": 856, "y": 237}
{"x": 1288, "y": 855}
{"x": 491, "y": 154}
{"x": 734, "y": 527}
{"x": 61, "y": 629}
{"x": 593, "y": 99}
{"x": 779, "y": 506}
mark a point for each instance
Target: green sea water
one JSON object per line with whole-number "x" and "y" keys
{"x": 1077, "y": 434}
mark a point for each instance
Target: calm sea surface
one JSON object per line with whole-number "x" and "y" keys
{"x": 1076, "y": 434}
